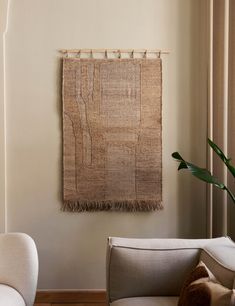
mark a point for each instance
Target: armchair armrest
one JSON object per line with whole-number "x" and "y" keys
{"x": 19, "y": 264}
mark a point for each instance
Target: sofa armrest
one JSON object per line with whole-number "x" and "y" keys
{"x": 19, "y": 264}
{"x": 220, "y": 259}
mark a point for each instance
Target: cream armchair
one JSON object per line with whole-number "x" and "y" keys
{"x": 18, "y": 270}
{"x": 151, "y": 272}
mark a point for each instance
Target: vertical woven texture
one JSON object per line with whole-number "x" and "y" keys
{"x": 112, "y": 148}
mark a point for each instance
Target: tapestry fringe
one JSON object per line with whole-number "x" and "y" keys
{"x": 128, "y": 205}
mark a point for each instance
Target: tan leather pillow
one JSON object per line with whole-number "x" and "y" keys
{"x": 202, "y": 289}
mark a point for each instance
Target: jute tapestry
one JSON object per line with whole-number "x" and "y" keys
{"x": 112, "y": 148}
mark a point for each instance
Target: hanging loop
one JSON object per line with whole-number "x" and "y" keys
{"x": 79, "y": 54}
{"x": 159, "y": 54}
{"x": 141, "y": 51}
{"x": 145, "y": 53}
{"x": 91, "y": 53}
{"x": 106, "y": 54}
{"x": 119, "y": 53}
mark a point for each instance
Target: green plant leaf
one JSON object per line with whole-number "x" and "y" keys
{"x": 220, "y": 153}
{"x": 230, "y": 194}
{"x": 217, "y": 150}
{"x": 200, "y": 173}
{"x": 176, "y": 155}
{"x": 204, "y": 174}
{"x": 182, "y": 164}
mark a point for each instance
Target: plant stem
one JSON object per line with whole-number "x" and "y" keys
{"x": 230, "y": 194}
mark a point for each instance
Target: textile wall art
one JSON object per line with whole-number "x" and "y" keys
{"x": 112, "y": 134}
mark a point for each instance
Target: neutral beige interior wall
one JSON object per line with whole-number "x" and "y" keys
{"x": 72, "y": 246}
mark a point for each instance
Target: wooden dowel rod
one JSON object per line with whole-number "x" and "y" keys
{"x": 113, "y": 51}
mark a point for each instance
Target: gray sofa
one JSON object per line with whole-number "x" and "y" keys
{"x": 150, "y": 272}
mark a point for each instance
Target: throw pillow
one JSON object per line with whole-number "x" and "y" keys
{"x": 202, "y": 289}
{"x": 200, "y": 272}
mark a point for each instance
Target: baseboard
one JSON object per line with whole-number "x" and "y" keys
{"x": 71, "y": 296}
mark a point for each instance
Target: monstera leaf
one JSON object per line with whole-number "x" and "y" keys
{"x": 204, "y": 174}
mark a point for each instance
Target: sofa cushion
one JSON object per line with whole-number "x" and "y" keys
{"x": 140, "y": 272}
{"x": 9, "y": 297}
{"x": 147, "y": 301}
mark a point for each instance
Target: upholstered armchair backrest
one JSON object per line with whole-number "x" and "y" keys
{"x": 150, "y": 267}
{"x": 19, "y": 264}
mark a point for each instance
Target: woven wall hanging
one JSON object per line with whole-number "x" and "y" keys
{"x": 112, "y": 142}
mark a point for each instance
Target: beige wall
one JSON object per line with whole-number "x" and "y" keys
{"x": 72, "y": 246}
